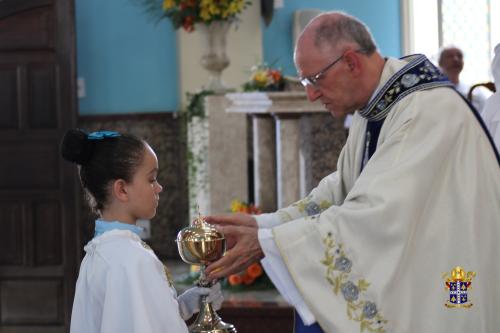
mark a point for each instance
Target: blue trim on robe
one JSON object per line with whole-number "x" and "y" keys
{"x": 299, "y": 326}
{"x": 371, "y": 139}
{"x": 102, "y": 226}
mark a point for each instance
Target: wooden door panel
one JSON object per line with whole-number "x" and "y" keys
{"x": 11, "y": 237}
{"x": 35, "y": 302}
{"x": 36, "y": 165}
{"x": 28, "y": 29}
{"x": 9, "y": 97}
{"x": 42, "y": 94}
{"x": 48, "y": 233}
{"x": 38, "y": 195}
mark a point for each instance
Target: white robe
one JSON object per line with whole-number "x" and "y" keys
{"x": 428, "y": 200}
{"x": 491, "y": 112}
{"x": 479, "y": 95}
{"x": 122, "y": 287}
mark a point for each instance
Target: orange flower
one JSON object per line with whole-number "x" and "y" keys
{"x": 234, "y": 279}
{"x": 254, "y": 210}
{"x": 254, "y": 270}
{"x": 247, "y": 279}
{"x": 275, "y": 74}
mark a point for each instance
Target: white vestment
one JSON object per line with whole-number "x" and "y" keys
{"x": 368, "y": 250}
{"x": 123, "y": 287}
{"x": 479, "y": 95}
{"x": 491, "y": 112}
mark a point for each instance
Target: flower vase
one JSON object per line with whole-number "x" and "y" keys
{"x": 214, "y": 58}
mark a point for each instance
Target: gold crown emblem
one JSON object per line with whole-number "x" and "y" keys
{"x": 458, "y": 282}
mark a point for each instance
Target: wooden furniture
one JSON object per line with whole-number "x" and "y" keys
{"x": 38, "y": 191}
{"x": 489, "y": 85}
{"x": 262, "y": 317}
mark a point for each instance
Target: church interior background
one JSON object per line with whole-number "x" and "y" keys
{"x": 124, "y": 71}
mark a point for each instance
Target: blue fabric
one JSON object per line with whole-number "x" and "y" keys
{"x": 102, "y": 135}
{"x": 301, "y": 328}
{"x": 102, "y": 226}
{"x": 418, "y": 74}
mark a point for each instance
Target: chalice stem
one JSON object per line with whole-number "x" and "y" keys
{"x": 203, "y": 281}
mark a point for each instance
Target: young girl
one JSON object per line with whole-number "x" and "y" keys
{"x": 122, "y": 286}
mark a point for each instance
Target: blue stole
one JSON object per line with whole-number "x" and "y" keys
{"x": 102, "y": 226}
{"x": 418, "y": 74}
{"x": 299, "y": 326}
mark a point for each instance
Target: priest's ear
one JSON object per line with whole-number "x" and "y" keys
{"x": 353, "y": 62}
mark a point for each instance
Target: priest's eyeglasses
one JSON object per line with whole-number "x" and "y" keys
{"x": 312, "y": 80}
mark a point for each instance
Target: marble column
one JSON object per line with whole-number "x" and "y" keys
{"x": 264, "y": 152}
{"x": 289, "y": 175}
{"x": 219, "y": 143}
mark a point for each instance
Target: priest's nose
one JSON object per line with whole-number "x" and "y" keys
{"x": 312, "y": 93}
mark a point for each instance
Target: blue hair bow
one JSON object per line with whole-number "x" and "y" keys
{"x": 100, "y": 135}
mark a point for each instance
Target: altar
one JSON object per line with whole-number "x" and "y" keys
{"x": 271, "y": 149}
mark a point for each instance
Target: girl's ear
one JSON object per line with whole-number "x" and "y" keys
{"x": 120, "y": 190}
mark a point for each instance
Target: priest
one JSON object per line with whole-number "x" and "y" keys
{"x": 403, "y": 237}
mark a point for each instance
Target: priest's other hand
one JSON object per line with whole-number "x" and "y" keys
{"x": 241, "y": 219}
{"x": 245, "y": 251}
{"x": 237, "y": 219}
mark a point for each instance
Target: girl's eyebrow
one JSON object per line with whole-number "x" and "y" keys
{"x": 153, "y": 170}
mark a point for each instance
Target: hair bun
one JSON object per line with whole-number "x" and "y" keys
{"x": 75, "y": 147}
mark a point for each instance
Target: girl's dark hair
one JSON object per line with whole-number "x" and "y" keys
{"x": 102, "y": 157}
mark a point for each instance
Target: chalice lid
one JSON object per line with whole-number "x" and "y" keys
{"x": 199, "y": 230}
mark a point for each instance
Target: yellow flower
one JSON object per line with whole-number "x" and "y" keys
{"x": 260, "y": 77}
{"x": 236, "y": 206}
{"x": 214, "y": 10}
{"x": 205, "y": 14}
{"x": 167, "y": 4}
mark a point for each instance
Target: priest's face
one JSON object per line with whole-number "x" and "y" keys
{"x": 325, "y": 75}
{"x": 451, "y": 61}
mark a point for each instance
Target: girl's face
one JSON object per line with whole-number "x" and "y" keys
{"x": 144, "y": 189}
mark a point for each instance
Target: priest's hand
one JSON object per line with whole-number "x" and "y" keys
{"x": 241, "y": 219}
{"x": 245, "y": 251}
{"x": 189, "y": 301}
{"x": 237, "y": 219}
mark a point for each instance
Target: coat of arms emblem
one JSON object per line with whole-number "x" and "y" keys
{"x": 458, "y": 283}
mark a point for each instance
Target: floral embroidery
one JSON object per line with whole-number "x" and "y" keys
{"x": 370, "y": 310}
{"x": 343, "y": 264}
{"x": 284, "y": 216}
{"x": 409, "y": 80}
{"x": 310, "y": 207}
{"x": 358, "y": 309}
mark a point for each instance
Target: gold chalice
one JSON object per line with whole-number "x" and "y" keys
{"x": 200, "y": 244}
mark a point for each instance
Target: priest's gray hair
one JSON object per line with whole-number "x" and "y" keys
{"x": 344, "y": 28}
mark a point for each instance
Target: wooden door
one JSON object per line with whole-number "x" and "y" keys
{"x": 38, "y": 224}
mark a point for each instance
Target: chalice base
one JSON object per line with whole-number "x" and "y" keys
{"x": 208, "y": 321}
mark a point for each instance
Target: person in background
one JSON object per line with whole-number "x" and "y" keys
{"x": 451, "y": 62}
{"x": 491, "y": 112}
{"x": 122, "y": 286}
{"x": 416, "y": 194}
